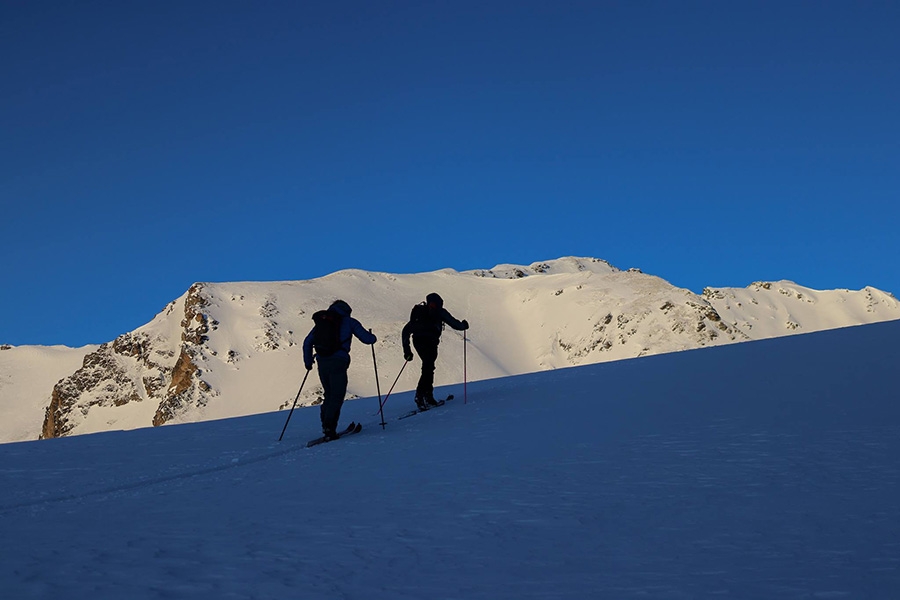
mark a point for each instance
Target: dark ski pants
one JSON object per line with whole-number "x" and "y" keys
{"x": 333, "y": 375}
{"x": 428, "y": 352}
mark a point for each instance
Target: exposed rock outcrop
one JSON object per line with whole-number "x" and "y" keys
{"x": 135, "y": 367}
{"x": 185, "y": 386}
{"x": 103, "y": 380}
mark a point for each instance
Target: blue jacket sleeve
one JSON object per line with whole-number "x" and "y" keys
{"x": 362, "y": 334}
{"x": 308, "y": 349}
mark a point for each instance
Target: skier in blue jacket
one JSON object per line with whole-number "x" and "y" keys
{"x": 333, "y": 358}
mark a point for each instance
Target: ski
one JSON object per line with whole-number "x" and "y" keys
{"x": 351, "y": 429}
{"x": 417, "y": 411}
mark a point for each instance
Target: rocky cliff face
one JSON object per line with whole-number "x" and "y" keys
{"x": 186, "y": 388}
{"x": 136, "y": 368}
{"x": 224, "y": 350}
{"x": 103, "y": 380}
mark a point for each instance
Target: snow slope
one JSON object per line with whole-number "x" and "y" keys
{"x": 233, "y": 349}
{"x": 27, "y": 374}
{"x": 764, "y": 470}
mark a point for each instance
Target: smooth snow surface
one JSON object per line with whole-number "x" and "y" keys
{"x": 761, "y": 470}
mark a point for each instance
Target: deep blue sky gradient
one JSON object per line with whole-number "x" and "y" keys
{"x": 146, "y": 146}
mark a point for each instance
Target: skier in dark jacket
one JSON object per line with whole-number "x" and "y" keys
{"x": 426, "y": 322}
{"x": 333, "y": 364}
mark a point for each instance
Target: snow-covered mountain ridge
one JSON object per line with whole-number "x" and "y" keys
{"x": 230, "y": 349}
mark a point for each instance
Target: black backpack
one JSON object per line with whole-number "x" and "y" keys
{"x": 327, "y": 332}
{"x": 419, "y": 313}
{"x": 424, "y": 323}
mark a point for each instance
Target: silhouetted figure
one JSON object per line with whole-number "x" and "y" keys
{"x": 426, "y": 322}
{"x": 330, "y": 338}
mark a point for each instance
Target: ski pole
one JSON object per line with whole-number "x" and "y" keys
{"x": 465, "y": 375}
{"x": 292, "y": 406}
{"x": 392, "y": 387}
{"x": 377, "y": 385}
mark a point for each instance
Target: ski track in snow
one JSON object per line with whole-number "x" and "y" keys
{"x": 648, "y": 478}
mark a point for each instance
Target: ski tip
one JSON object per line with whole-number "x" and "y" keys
{"x": 450, "y": 397}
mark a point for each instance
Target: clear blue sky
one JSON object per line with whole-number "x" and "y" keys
{"x": 148, "y": 145}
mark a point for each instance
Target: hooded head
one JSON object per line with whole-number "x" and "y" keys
{"x": 341, "y": 307}
{"x": 433, "y": 300}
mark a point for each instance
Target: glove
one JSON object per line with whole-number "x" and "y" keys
{"x": 408, "y": 355}
{"x": 465, "y": 324}
{"x": 309, "y": 367}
